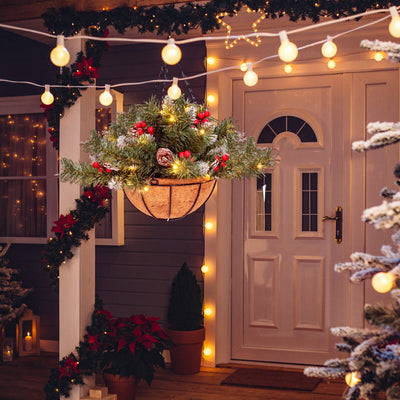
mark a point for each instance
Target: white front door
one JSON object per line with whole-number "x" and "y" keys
{"x": 285, "y": 293}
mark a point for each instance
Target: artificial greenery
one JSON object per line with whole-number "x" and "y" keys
{"x": 174, "y": 139}
{"x": 185, "y": 307}
{"x": 131, "y": 346}
{"x": 72, "y": 228}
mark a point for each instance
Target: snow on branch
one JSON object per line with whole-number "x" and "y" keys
{"x": 384, "y": 133}
{"x": 391, "y": 49}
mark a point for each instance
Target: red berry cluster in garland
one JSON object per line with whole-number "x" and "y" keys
{"x": 202, "y": 117}
{"x": 100, "y": 168}
{"x": 184, "y": 154}
{"x": 220, "y": 161}
{"x": 141, "y": 128}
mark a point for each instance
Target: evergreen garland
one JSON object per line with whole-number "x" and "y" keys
{"x": 72, "y": 228}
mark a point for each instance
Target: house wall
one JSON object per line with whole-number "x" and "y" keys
{"x": 136, "y": 277}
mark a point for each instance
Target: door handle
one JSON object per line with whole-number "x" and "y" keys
{"x": 338, "y": 218}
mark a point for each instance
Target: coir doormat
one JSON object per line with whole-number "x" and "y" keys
{"x": 276, "y": 379}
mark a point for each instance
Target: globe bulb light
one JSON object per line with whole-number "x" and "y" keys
{"x": 394, "y": 26}
{"x": 250, "y": 78}
{"x": 331, "y": 64}
{"x": 379, "y": 56}
{"x": 171, "y": 53}
{"x": 383, "y": 282}
{"x": 287, "y": 50}
{"x": 352, "y": 379}
{"x": 204, "y": 269}
{"x": 47, "y": 98}
{"x": 210, "y": 99}
{"x": 59, "y": 56}
{"x": 243, "y": 67}
{"x": 106, "y": 97}
{"x": 329, "y": 48}
{"x": 174, "y": 92}
{"x": 288, "y": 68}
{"x": 211, "y": 61}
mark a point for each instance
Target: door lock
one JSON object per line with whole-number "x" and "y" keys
{"x": 338, "y": 218}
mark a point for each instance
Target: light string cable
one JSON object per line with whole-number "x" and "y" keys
{"x": 198, "y": 39}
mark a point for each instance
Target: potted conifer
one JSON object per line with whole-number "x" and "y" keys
{"x": 185, "y": 322}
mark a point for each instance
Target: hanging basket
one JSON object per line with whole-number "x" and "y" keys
{"x": 171, "y": 199}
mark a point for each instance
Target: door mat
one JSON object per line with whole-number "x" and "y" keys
{"x": 276, "y": 379}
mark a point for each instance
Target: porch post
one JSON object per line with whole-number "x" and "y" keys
{"x": 77, "y": 276}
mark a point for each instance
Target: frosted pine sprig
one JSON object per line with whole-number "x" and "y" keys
{"x": 391, "y": 49}
{"x": 385, "y": 133}
{"x": 355, "y": 333}
{"x": 384, "y": 216}
{"x": 324, "y": 372}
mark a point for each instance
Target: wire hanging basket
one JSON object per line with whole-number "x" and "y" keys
{"x": 171, "y": 199}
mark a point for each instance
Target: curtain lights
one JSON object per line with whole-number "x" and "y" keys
{"x": 59, "y": 56}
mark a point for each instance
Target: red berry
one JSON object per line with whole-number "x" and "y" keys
{"x": 138, "y": 125}
{"x": 101, "y": 170}
{"x": 191, "y": 159}
{"x": 216, "y": 168}
{"x": 143, "y": 124}
{"x": 217, "y": 158}
{"x": 181, "y": 154}
{"x": 225, "y": 157}
{"x": 200, "y": 115}
{"x": 108, "y": 170}
{"x": 196, "y": 121}
{"x": 140, "y": 131}
{"x": 206, "y": 113}
{"x": 205, "y": 120}
{"x": 222, "y": 164}
{"x": 150, "y": 129}
{"x": 186, "y": 154}
{"x": 95, "y": 164}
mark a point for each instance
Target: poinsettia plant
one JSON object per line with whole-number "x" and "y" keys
{"x": 168, "y": 139}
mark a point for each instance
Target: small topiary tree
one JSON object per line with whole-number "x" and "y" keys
{"x": 185, "y": 308}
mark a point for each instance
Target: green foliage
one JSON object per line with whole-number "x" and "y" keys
{"x": 185, "y": 308}
{"x": 127, "y": 154}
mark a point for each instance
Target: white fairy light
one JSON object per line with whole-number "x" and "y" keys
{"x": 47, "y": 97}
{"x": 171, "y": 53}
{"x": 250, "y": 78}
{"x": 174, "y": 92}
{"x": 287, "y": 50}
{"x": 59, "y": 56}
{"x": 106, "y": 97}
{"x": 329, "y": 49}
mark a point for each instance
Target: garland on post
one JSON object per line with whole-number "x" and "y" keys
{"x": 72, "y": 228}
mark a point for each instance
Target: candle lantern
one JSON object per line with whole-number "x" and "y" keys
{"x": 28, "y": 334}
{"x": 8, "y": 353}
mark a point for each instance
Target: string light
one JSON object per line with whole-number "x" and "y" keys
{"x": 383, "y": 282}
{"x": 59, "y": 56}
{"x": 205, "y": 269}
{"x": 211, "y": 61}
{"x": 171, "y": 53}
{"x": 207, "y": 351}
{"x": 208, "y": 311}
{"x": 331, "y": 64}
{"x": 210, "y": 99}
{"x": 209, "y": 225}
{"x": 174, "y": 92}
{"x": 288, "y": 68}
{"x": 243, "y": 67}
{"x": 352, "y": 379}
{"x": 287, "y": 50}
{"x": 47, "y": 98}
{"x": 379, "y": 55}
{"x": 329, "y": 49}
{"x": 250, "y": 78}
{"x": 106, "y": 98}
{"x": 394, "y": 26}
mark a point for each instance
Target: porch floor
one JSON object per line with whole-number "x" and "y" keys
{"x": 25, "y": 378}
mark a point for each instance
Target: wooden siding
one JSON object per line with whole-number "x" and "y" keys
{"x": 136, "y": 277}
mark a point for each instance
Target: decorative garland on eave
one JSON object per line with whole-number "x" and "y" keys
{"x": 72, "y": 228}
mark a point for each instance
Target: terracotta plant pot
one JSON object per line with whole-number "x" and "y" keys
{"x": 171, "y": 198}
{"x": 124, "y": 388}
{"x": 186, "y": 350}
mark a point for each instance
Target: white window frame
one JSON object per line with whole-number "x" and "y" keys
{"x": 28, "y": 105}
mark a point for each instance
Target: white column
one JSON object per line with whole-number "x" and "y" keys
{"x": 77, "y": 276}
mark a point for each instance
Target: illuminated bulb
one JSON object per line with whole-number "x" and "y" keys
{"x": 146, "y": 189}
{"x": 243, "y": 67}
{"x": 329, "y": 48}
{"x": 47, "y": 98}
{"x": 59, "y": 56}
{"x": 210, "y": 99}
{"x": 174, "y": 167}
{"x": 171, "y": 53}
{"x": 352, "y": 379}
{"x": 207, "y": 351}
{"x": 204, "y": 269}
{"x": 209, "y": 225}
{"x": 379, "y": 56}
{"x": 331, "y": 64}
{"x": 106, "y": 97}
{"x": 174, "y": 92}
{"x": 211, "y": 61}
{"x": 250, "y": 78}
{"x": 208, "y": 311}
{"x": 382, "y": 282}
{"x": 394, "y": 26}
{"x": 287, "y": 50}
{"x": 288, "y": 68}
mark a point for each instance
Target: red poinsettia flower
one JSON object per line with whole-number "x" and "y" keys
{"x": 85, "y": 68}
{"x": 156, "y": 329}
{"x": 98, "y": 195}
{"x": 105, "y": 34}
{"x": 139, "y": 319}
{"x": 121, "y": 343}
{"x": 70, "y": 366}
{"x": 147, "y": 340}
{"x": 106, "y": 313}
{"x": 94, "y": 343}
{"x": 46, "y": 106}
{"x": 63, "y": 224}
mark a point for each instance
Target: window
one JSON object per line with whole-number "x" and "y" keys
{"x": 264, "y": 203}
{"x": 309, "y": 215}
{"x": 28, "y": 182}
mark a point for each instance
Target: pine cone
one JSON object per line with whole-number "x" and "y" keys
{"x": 164, "y": 157}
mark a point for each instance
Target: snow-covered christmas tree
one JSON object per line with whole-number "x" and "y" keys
{"x": 11, "y": 291}
{"x": 373, "y": 362}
